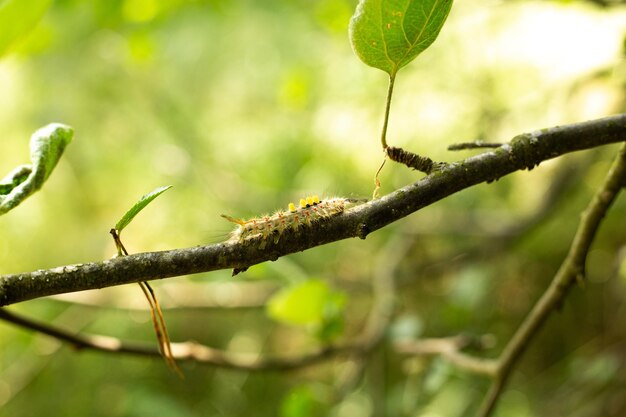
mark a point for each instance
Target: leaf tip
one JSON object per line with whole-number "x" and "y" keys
{"x": 56, "y": 130}
{"x": 140, "y": 205}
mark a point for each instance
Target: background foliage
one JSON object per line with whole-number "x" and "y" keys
{"x": 244, "y": 106}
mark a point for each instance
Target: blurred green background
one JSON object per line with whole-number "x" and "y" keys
{"x": 245, "y": 106}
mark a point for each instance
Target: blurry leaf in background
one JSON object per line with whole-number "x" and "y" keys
{"x": 311, "y": 303}
{"x": 295, "y": 89}
{"x": 46, "y": 147}
{"x": 389, "y": 34}
{"x": 299, "y": 402}
{"x": 438, "y": 374}
{"x": 142, "y": 46}
{"x": 215, "y": 111}
{"x": 17, "y": 19}
{"x": 406, "y": 327}
{"x": 333, "y": 14}
{"x": 140, "y": 10}
{"x": 471, "y": 289}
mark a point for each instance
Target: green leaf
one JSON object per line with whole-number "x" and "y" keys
{"x": 299, "y": 402}
{"x": 388, "y": 34}
{"x": 18, "y": 18}
{"x": 46, "y": 147}
{"x": 139, "y": 205}
{"x": 311, "y": 302}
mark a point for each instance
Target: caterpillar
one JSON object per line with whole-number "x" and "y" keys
{"x": 270, "y": 228}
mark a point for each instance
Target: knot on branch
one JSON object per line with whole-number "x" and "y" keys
{"x": 526, "y": 150}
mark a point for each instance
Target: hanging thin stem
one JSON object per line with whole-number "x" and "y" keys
{"x": 383, "y": 135}
{"x": 159, "y": 328}
{"x": 155, "y": 312}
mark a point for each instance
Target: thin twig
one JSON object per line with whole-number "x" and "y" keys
{"x": 450, "y": 349}
{"x": 524, "y": 152}
{"x": 376, "y": 192}
{"x": 473, "y": 145}
{"x": 187, "y": 351}
{"x": 572, "y": 270}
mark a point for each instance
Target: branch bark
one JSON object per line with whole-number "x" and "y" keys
{"x": 383, "y": 294}
{"x": 523, "y": 152}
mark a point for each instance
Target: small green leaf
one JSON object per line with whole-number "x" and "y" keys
{"x": 388, "y": 34}
{"x": 310, "y": 303}
{"x": 18, "y": 18}
{"x": 299, "y": 402}
{"x": 139, "y": 205}
{"x": 14, "y": 178}
{"x": 46, "y": 147}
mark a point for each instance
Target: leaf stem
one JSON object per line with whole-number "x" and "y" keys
{"x": 383, "y": 135}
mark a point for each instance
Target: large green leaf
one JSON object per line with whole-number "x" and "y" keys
{"x": 388, "y": 34}
{"x": 46, "y": 147}
{"x": 18, "y": 18}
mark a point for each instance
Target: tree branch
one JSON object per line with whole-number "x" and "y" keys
{"x": 187, "y": 351}
{"x": 523, "y": 152}
{"x": 572, "y": 270}
{"x": 450, "y": 349}
{"x": 384, "y": 297}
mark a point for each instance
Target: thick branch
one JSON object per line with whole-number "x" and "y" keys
{"x": 523, "y": 152}
{"x": 383, "y": 292}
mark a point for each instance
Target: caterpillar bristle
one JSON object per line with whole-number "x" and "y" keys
{"x": 233, "y": 220}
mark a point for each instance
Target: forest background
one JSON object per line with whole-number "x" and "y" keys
{"x": 244, "y": 106}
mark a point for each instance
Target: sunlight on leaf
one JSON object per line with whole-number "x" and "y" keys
{"x": 139, "y": 205}
{"x": 388, "y": 34}
{"x": 46, "y": 147}
{"x": 17, "y": 19}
